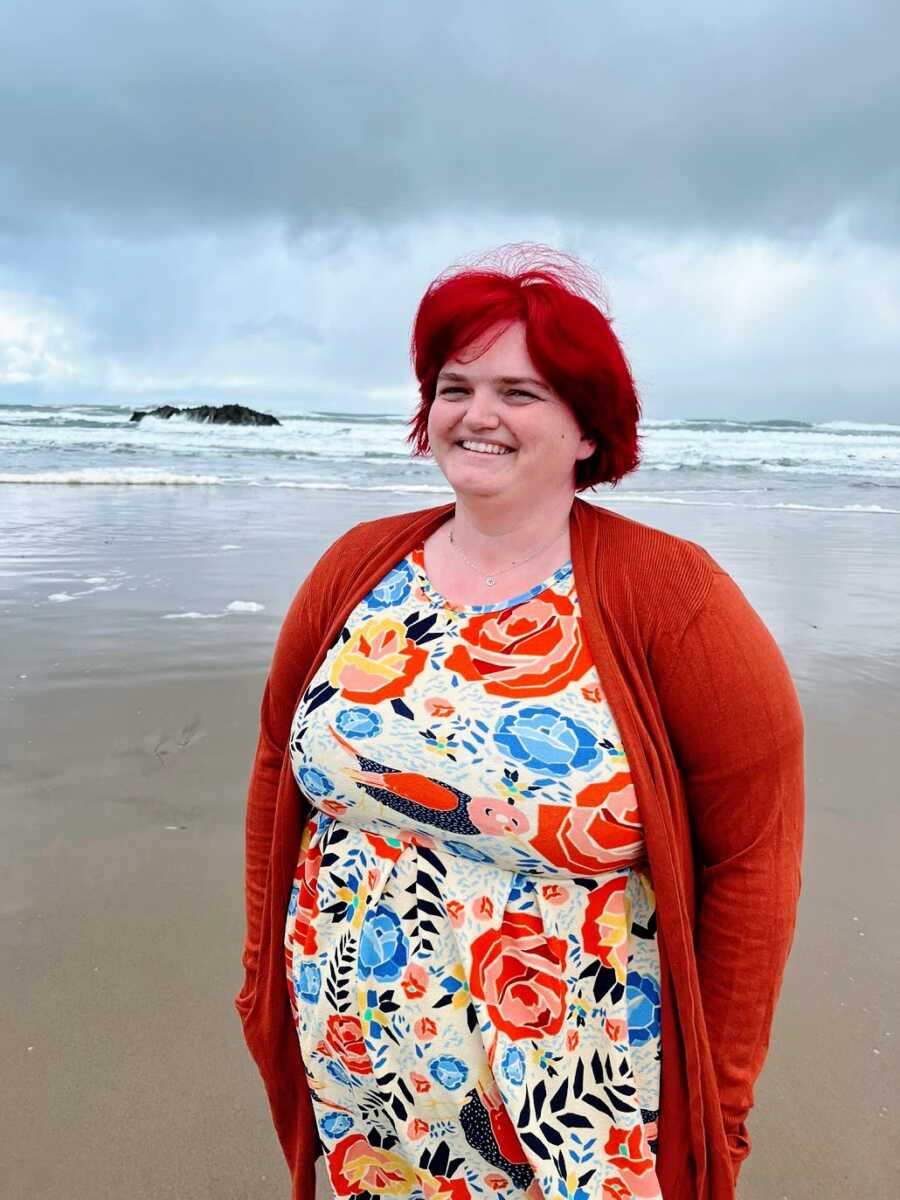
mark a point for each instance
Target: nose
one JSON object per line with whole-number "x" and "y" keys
{"x": 482, "y": 409}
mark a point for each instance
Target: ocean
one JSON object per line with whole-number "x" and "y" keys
{"x": 179, "y": 545}
{"x": 832, "y": 466}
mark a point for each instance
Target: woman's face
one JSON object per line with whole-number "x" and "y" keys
{"x": 496, "y": 429}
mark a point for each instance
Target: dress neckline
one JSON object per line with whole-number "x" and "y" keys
{"x": 416, "y": 559}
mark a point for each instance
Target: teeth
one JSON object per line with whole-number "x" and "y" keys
{"x": 485, "y": 448}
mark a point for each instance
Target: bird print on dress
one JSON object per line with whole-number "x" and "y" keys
{"x": 418, "y": 797}
{"x": 489, "y": 1130}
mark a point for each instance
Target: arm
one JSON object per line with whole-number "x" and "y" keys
{"x": 734, "y": 720}
{"x": 298, "y": 647}
{"x": 294, "y": 652}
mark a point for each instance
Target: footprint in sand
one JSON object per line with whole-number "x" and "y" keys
{"x": 163, "y": 746}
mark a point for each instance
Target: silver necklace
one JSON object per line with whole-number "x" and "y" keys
{"x": 490, "y": 580}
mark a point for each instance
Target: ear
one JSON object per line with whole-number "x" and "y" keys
{"x": 586, "y": 447}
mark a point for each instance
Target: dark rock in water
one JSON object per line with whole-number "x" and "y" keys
{"x": 211, "y": 414}
{"x": 165, "y": 411}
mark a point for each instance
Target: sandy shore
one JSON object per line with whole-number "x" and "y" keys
{"x": 121, "y": 912}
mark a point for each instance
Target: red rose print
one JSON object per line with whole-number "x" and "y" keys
{"x": 419, "y": 1082}
{"x": 344, "y": 1036}
{"x": 354, "y": 1166}
{"x": 519, "y": 972}
{"x": 601, "y": 832}
{"x": 629, "y": 1154}
{"x": 533, "y": 649}
{"x": 436, "y": 707}
{"x": 417, "y": 1128}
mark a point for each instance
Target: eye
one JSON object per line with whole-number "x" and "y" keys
{"x": 451, "y": 390}
{"x": 520, "y": 396}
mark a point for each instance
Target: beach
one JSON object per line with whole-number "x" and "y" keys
{"x": 137, "y": 626}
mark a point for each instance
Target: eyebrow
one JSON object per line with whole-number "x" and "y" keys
{"x": 507, "y": 379}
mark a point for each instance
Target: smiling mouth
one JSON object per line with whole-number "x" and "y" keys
{"x": 485, "y": 448}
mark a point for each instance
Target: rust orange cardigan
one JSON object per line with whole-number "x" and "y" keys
{"x": 713, "y": 733}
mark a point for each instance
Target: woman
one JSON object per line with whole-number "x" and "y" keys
{"x": 526, "y": 810}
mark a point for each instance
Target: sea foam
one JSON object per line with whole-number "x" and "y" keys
{"x": 133, "y": 476}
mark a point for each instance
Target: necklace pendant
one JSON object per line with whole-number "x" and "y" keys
{"x": 490, "y": 580}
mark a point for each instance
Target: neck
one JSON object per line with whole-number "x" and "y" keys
{"x": 494, "y": 532}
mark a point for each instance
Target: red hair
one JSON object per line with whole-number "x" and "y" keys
{"x": 569, "y": 340}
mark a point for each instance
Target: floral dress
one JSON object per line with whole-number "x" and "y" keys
{"x": 471, "y": 937}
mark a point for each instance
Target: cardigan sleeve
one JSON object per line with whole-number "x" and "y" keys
{"x": 297, "y": 648}
{"x": 734, "y": 720}
{"x": 293, "y": 653}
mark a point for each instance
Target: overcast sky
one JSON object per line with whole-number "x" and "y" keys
{"x": 218, "y": 201}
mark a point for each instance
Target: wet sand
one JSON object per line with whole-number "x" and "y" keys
{"x": 122, "y": 773}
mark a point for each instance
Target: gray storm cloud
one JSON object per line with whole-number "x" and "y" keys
{"x": 209, "y": 199}
{"x": 765, "y": 118}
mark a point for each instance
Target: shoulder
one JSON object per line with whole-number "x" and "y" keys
{"x": 644, "y": 548}
{"x": 661, "y": 579}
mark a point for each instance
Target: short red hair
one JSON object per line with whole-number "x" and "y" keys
{"x": 569, "y": 340}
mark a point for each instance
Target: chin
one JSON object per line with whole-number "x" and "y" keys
{"x": 480, "y": 488}
{"x": 472, "y": 479}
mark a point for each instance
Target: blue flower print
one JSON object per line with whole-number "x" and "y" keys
{"x": 292, "y": 903}
{"x": 545, "y": 740}
{"x": 383, "y": 948}
{"x": 358, "y": 722}
{"x": 315, "y": 782}
{"x": 644, "y": 1008}
{"x": 514, "y": 1065}
{"x": 308, "y": 982}
{"x": 336, "y": 1124}
{"x": 393, "y": 589}
{"x": 448, "y": 1071}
